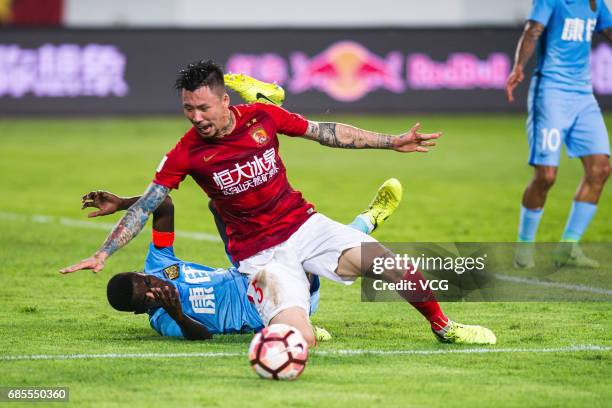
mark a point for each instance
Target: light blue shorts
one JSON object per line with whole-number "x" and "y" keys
{"x": 559, "y": 117}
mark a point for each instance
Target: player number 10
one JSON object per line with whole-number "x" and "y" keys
{"x": 551, "y": 139}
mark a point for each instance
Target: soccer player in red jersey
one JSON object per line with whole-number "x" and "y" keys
{"x": 273, "y": 233}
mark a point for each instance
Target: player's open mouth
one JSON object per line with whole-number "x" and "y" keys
{"x": 205, "y": 128}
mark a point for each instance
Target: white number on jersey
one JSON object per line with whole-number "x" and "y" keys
{"x": 551, "y": 139}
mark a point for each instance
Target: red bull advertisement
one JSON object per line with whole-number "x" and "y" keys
{"x": 118, "y": 72}
{"x": 347, "y": 71}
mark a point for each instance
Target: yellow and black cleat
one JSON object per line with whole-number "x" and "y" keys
{"x": 253, "y": 90}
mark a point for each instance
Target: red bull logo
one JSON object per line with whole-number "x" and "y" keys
{"x": 346, "y": 71}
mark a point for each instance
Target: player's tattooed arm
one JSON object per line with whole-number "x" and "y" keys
{"x": 347, "y": 137}
{"x": 350, "y": 137}
{"x": 108, "y": 203}
{"x": 134, "y": 219}
{"x": 127, "y": 228}
{"x": 524, "y": 50}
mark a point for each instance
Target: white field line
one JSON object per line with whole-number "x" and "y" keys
{"x": 333, "y": 353}
{"x": 76, "y": 223}
{"x": 557, "y": 285}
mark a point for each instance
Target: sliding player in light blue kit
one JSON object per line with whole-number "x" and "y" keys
{"x": 562, "y": 110}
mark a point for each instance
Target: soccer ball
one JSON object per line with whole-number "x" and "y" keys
{"x": 279, "y": 351}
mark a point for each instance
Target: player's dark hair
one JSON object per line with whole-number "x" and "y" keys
{"x": 119, "y": 291}
{"x": 199, "y": 74}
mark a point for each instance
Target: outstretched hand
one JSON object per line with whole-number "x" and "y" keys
{"x": 95, "y": 263}
{"x": 413, "y": 141}
{"x": 106, "y": 203}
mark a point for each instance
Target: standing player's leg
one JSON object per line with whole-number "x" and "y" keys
{"x": 588, "y": 140}
{"x": 596, "y": 173}
{"x": 532, "y": 208}
{"x": 547, "y": 123}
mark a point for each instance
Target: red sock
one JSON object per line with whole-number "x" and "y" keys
{"x": 427, "y": 304}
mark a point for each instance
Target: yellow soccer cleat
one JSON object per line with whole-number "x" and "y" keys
{"x": 321, "y": 334}
{"x": 465, "y": 334}
{"x": 252, "y": 90}
{"x": 385, "y": 202}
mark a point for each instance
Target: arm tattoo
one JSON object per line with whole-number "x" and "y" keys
{"x": 313, "y": 130}
{"x": 349, "y": 137}
{"x": 327, "y": 134}
{"x": 135, "y": 218}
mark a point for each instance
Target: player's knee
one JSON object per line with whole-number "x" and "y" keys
{"x": 374, "y": 262}
{"x": 545, "y": 178}
{"x": 598, "y": 173}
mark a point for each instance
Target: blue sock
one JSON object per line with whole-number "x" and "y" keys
{"x": 362, "y": 223}
{"x": 579, "y": 219}
{"x": 528, "y": 226}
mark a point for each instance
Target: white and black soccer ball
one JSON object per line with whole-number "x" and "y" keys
{"x": 278, "y": 352}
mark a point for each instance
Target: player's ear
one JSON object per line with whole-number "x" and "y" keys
{"x": 225, "y": 100}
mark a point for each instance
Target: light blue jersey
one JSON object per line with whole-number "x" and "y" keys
{"x": 216, "y": 298}
{"x": 561, "y": 105}
{"x": 564, "y": 48}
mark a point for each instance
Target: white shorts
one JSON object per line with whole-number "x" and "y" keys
{"x": 277, "y": 275}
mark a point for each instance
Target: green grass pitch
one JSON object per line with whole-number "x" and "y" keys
{"x": 467, "y": 189}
